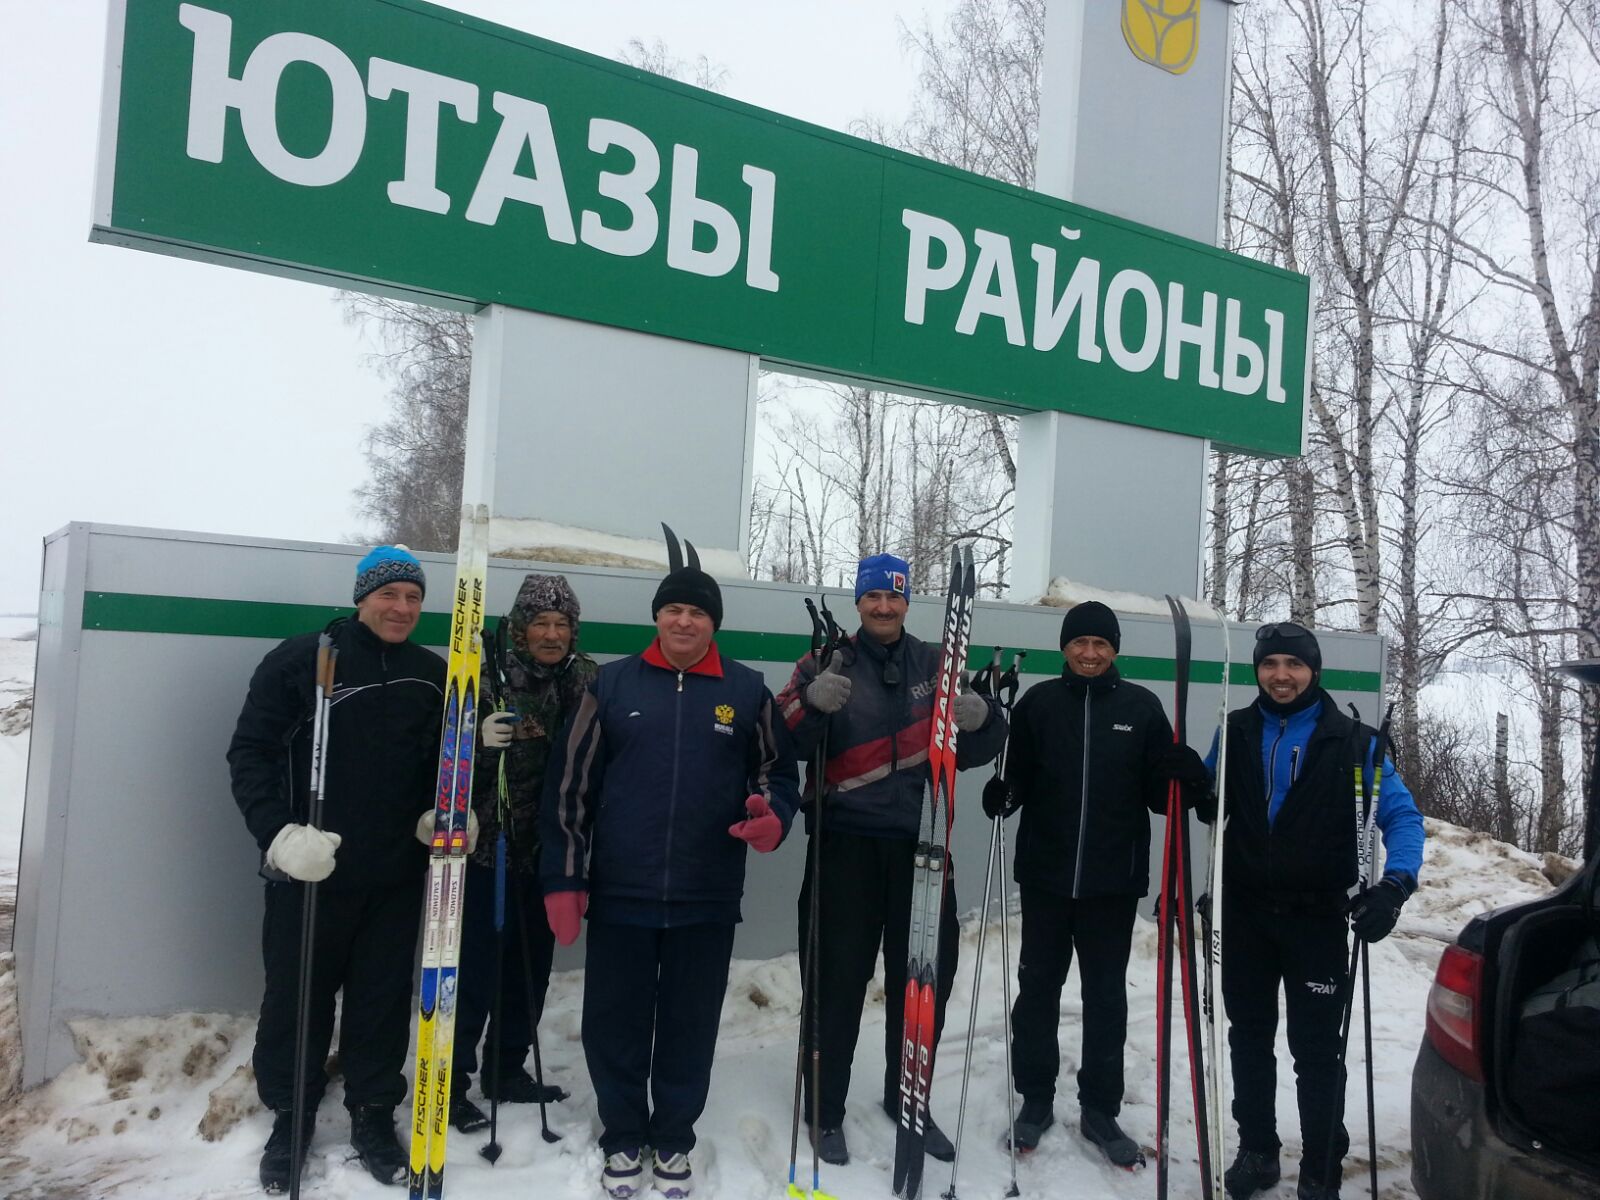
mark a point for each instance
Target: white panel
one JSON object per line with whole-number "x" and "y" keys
{"x": 616, "y": 431}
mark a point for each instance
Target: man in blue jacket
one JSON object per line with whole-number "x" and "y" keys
{"x": 875, "y": 701}
{"x": 672, "y": 764}
{"x": 1289, "y": 866}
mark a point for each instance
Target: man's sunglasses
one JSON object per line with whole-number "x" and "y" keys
{"x": 1288, "y": 630}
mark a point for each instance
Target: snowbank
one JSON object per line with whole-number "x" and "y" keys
{"x": 1064, "y": 593}
{"x": 545, "y": 541}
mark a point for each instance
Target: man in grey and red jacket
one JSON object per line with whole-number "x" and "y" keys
{"x": 671, "y": 767}
{"x": 875, "y": 702}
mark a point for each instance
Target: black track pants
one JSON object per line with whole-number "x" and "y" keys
{"x": 652, "y": 1002}
{"x": 1100, "y": 929}
{"x": 1308, "y": 954}
{"x": 475, "y": 994}
{"x": 365, "y": 944}
{"x": 865, "y": 902}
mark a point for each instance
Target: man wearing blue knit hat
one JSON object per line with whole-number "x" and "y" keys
{"x": 382, "y": 756}
{"x": 875, "y": 704}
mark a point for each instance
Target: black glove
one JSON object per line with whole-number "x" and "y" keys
{"x": 1374, "y": 911}
{"x": 1183, "y": 765}
{"x": 997, "y": 798}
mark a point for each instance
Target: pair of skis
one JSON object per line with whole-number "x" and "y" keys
{"x": 1176, "y": 940}
{"x": 928, "y": 882}
{"x": 447, "y": 862}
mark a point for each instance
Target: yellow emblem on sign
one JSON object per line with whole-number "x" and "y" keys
{"x": 724, "y": 714}
{"x": 1163, "y": 33}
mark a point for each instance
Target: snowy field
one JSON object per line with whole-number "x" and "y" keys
{"x": 164, "y": 1107}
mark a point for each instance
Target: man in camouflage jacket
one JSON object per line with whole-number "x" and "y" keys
{"x": 545, "y": 675}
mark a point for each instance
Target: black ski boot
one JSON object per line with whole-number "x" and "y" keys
{"x": 1252, "y": 1171}
{"x": 373, "y": 1138}
{"x": 832, "y": 1149}
{"x": 465, "y": 1116}
{"x": 934, "y": 1142}
{"x": 516, "y": 1086}
{"x": 1313, "y": 1188}
{"x": 1032, "y": 1121}
{"x": 279, "y": 1153}
{"x": 1102, "y": 1129}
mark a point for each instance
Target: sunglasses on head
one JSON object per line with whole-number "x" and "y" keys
{"x": 1283, "y": 629}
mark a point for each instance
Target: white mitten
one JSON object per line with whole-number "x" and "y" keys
{"x": 303, "y": 852}
{"x": 498, "y": 728}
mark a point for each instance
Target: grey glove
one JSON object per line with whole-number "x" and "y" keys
{"x": 425, "y": 829}
{"x": 303, "y": 852}
{"x": 498, "y": 728}
{"x": 972, "y": 711}
{"x": 828, "y": 692}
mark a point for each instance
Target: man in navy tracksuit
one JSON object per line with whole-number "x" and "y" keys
{"x": 1289, "y": 864}
{"x": 672, "y": 764}
{"x": 875, "y": 701}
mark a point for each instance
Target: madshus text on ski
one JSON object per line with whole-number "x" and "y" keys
{"x": 497, "y": 802}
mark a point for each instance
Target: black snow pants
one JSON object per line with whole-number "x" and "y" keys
{"x": 1100, "y": 929}
{"x": 365, "y": 944}
{"x": 652, "y": 1003}
{"x": 1308, "y": 954}
{"x": 865, "y": 901}
{"x": 475, "y": 994}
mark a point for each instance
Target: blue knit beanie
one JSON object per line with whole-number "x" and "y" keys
{"x": 883, "y": 573}
{"x": 384, "y": 565}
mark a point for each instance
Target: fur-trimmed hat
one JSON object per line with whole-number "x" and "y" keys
{"x": 543, "y": 593}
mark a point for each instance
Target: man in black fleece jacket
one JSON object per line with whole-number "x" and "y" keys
{"x": 1090, "y": 758}
{"x": 383, "y": 751}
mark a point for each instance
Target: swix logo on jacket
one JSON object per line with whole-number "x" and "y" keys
{"x": 651, "y": 770}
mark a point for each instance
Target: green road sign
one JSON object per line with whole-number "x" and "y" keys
{"x": 391, "y": 145}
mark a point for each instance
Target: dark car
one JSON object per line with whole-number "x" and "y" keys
{"x": 1485, "y": 1125}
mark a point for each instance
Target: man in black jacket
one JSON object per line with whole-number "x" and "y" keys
{"x": 383, "y": 746}
{"x": 875, "y": 701}
{"x": 1090, "y": 758}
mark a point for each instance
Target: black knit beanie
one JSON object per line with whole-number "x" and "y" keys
{"x": 689, "y": 585}
{"x": 1091, "y": 619}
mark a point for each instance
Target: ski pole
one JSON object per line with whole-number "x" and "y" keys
{"x": 1364, "y": 852}
{"x": 327, "y": 655}
{"x": 1007, "y": 690}
{"x": 977, "y": 973}
{"x": 491, "y": 1150}
{"x": 534, "y": 1012}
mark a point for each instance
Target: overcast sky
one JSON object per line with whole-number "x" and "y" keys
{"x": 137, "y": 389}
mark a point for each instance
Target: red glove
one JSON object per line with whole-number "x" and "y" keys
{"x": 761, "y": 829}
{"x": 564, "y": 911}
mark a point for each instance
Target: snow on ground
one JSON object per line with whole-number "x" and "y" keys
{"x": 165, "y": 1106}
{"x": 16, "y": 694}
